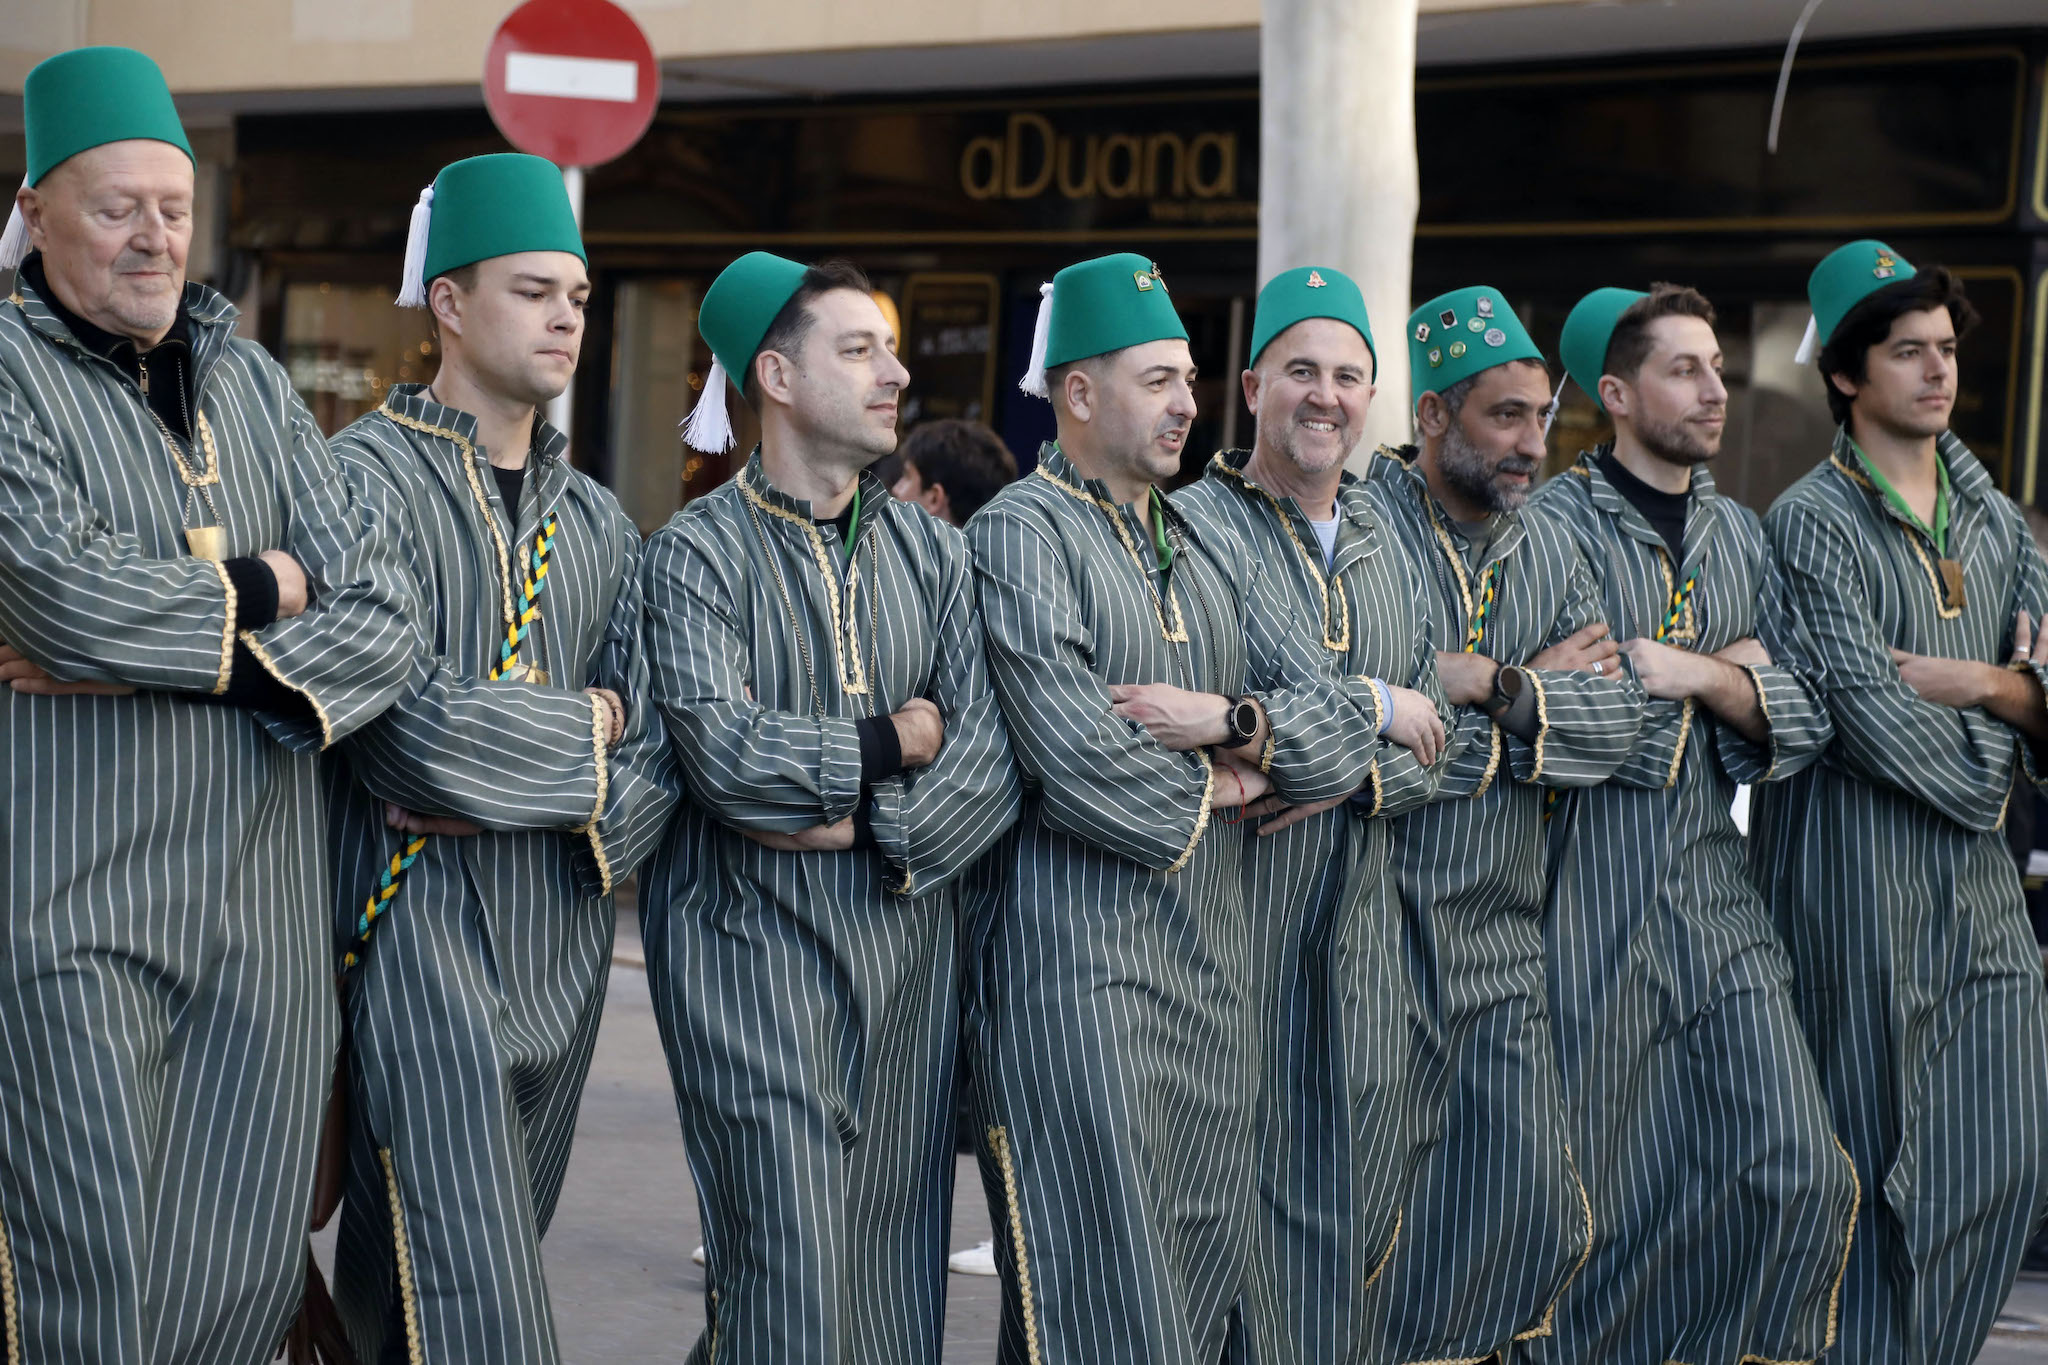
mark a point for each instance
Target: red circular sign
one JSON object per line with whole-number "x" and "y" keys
{"x": 571, "y": 80}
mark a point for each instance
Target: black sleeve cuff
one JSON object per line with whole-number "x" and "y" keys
{"x": 881, "y": 749}
{"x": 252, "y": 688}
{"x": 864, "y": 824}
{"x": 255, "y": 593}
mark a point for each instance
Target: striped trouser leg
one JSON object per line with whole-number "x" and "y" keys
{"x": 158, "y": 1151}
{"x": 440, "y": 1209}
{"x": 816, "y": 1104}
{"x": 1968, "y": 1184}
{"x": 1767, "y": 1222}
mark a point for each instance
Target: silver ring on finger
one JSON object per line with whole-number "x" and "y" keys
{"x": 1599, "y": 668}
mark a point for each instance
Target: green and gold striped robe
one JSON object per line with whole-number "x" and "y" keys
{"x": 472, "y": 1014}
{"x": 167, "y": 1020}
{"x": 809, "y": 1002}
{"x": 1335, "y": 1145}
{"x": 1497, "y": 1220}
{"x": 1722, "y": 1204}
{"x": 1111, "y": 1006}
{"x": 1915, "y": 972}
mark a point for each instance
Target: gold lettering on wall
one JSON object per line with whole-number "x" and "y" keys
{"x": 1033, "y": 158}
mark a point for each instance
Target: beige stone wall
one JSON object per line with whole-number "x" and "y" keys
{"x": 249, "y": 45}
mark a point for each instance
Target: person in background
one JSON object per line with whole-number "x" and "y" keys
{"x": 951, "y": 468}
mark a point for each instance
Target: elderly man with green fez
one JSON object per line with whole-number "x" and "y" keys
{"x": 192, "y": 609}
{"x": 1722, "y": 1205}
{"x": 1918, "y": 981}
{"x": 817, "y": 664}
{"x": 516, "y": 783}
{"x": 1328, "y": 978}
{"x": 1153, "y": 679}
{"x": 1496, "y": 1219}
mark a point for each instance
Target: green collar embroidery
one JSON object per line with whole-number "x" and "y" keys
{"x": 1160, "y": 544}
{"x": 1938, "y": 533}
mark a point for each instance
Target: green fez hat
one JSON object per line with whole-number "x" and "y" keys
{"x": 1583, "y": 345}
{"x": 734, "y": 318}
{"x": 82, "y": 99}
{"x": 91, "y": 96}
{"x": 1456, "y": 335}
{"x": 1310, "y": 292}
{"x": 1844, "y": 278}
{"x": 486, "y": 206}
{"x": 1096, "y": 307}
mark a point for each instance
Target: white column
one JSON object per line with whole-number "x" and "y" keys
{"x": 563, "y": 405}
{"x": 1337, "y": 174}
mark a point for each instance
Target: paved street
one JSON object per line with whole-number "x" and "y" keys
{"x": 618, "y": 1257}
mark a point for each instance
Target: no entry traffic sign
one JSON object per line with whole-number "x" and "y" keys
{"x": 571, "y": 80}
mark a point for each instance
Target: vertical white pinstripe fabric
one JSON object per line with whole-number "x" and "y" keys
{"x": 1112, "y": 1010}
{"x": 1496, "y": 1221}
{"x": 1915, "y": 972}
{"x": 1721, "y": 1202}
{"x": 167, "y": 1022}
{"x": 473, "y": 1014}
{"x": 809, "y": 1002}
{"x": 1330, "y": 989}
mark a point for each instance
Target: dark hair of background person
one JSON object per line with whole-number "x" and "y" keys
{"x": 1869, "y": 323}
{"x": 785, "y": 335}
{"x": 966, "y": 459}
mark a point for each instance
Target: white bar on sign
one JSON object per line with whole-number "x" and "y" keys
{"x": 571, "y": 78}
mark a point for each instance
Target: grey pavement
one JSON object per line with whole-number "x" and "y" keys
{"x": 618, "y": 1255}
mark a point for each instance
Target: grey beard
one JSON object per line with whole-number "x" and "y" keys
{"x": 1464, "y": 468}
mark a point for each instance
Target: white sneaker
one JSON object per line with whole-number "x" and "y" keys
{"x": 976, "y": 1260}
{"x": 697, "y": 1256}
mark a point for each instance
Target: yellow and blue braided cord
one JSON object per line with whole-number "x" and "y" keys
{"x": 529, "y": 598}
{"x": 393, "y": 875}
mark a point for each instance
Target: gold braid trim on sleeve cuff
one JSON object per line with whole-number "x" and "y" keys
{"x": 599, "y": 723}
{"x": 1492, "y": 762}
{"x": 227, "y": 630}
{"x": 1379, "y": 797}
{"x": 1201, "y": 816}
{"x": 1678, "y": 754}
{"x": 319, "y": 711}
{"x": 1763, "y": 704}
{"x": 1542, "y": 722}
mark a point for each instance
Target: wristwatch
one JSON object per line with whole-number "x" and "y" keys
{"x": 1242, "y": 721}
{"x": 1507, "y": 685}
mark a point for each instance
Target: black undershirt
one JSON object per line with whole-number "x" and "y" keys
{"x": 511, "y": 483}
{"x": 881, "y": 748}
{"x": 1664, "y": 511}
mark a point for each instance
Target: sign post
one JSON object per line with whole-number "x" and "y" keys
{"x": 574, "y": 81}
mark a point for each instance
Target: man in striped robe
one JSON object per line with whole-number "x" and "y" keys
{"x": 1497, "y": 1221}
{"x": 1916, "y": 975}
{"x": 192, "y": 609}
{"x": 817, "y": 660}
{"x": 517, "y": 782}
{"x": 1332, "y": 991}
{"x": 1722, "y": 1204}
{"x": 1151, "y": 679}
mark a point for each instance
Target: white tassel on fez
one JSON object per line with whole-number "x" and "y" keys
{"x": 412, "y": 285}
{"x": 14, "y": 243}
{"x": 1555, "y": 399}
{"x": 1808, "y": 344}
{"x": 1033, "y": 381}
{"x": 709, "y": 427}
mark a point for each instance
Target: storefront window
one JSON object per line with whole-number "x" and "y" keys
{"x": 345, "y": 345}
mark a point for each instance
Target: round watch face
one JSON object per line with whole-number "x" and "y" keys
{"x": 1244, "y": 721}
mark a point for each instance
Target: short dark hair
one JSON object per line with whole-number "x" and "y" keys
{"x": 1056, "y": 375}
{"x": 1629, "y": 344}
{"x": 1454, "y": 395}
{"x": 1869, "y": 323}
{"x": 965, "y": 458}
{"x": 786, "y": 333}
